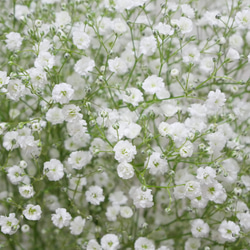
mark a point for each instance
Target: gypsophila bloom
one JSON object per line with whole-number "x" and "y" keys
{"x": 109, "y": 242}
{"x": 25, "y": 228}
{"x": 185, "y": 25}
{"x": 156, "y": 165}
{"x": 124, "y": 151}
{"x": 10, "y": 140}
{"x": 62, "y": 93}
{"x": 84, "y": 66}
{"x": 94, "y": 195}
{"x": 15, "y": 89}
{"x": 117, "y": 66}
{"x": 53, "y": 169}
{"x": 4, "y": 79}
{"x": 55, "y": 115}
{"x": 125, "y": 170}
{"x": 199, "y": 228}
{"x": 192, "y": 244}
{"x": 229, "y": 230}
{"x": 153, "y": 84}
{"x": 27, "y": 191}
{"x": 164, "y": 29}
{"x": 15, "y": 174}
{"x": 13, "y": 41}
{"x": 61, "y": 218}
{"x": 77, "y": 225}
{"x": 32, "y": 212}
{"x": 44, "y": 60}
{"x": 93, "y": 245}
{"x": 62, "y": 19}
{"x": 81, "y": 39}
{"x": 126, "y": 212}
{"x": 9, "y": 224}
{"x": 148, "y": 45}
{"x": 141, "y": 198}
{"x": 132, "y": 96}
{"x": 187, "y": 149}
{"x": 71, "y": 113}
{"x": 79, "y": 159}
{"x": 144, "y": 243}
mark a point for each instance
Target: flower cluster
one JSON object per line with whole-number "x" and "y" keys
{"x": 125, "y": 124}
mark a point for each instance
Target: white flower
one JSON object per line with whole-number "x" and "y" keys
{"x": 191, "y": 54}
{"x": 14, "y": 41}
{"x": 21, "y": 11}
{"x": 185, "y": 25}
{"x": 124, "y": 151}
{"x": 15, "y": 89}
{"x": 55, "y": 115}
{"x": 77, "y": 225}
{"x": 153, "y": 84}
{"x": 164, "y": 29}
{"x": 156, "y": 165}
{"x": 62, "y": 19}
{"x": 27, "y": 191}
{"x": 148, "y": 45}
{"x": 53, "y": 169}
{"x": 94, "y": 195}
{"x": 236, "y": 41}
{"x": 164, "y": 128}
{"x": 187, "y": 149}
{"x": 119, "y": 26}
{"x": 62, "y": 93}
{"x": 192, "y": 244}
{"x": 10, "y": 140}
{"x": 38, "y": 77}
{"x": 44, "y": 59}
{"x": 229, "y": 230}
{"x": 192, "y": 189}
{"x": 9, "y": 225}
{"x": 15, "y": 174}
{"x": 125, "y": 170}
{"x": 206, "y": 175}
{"x": 71, "y": 113}
{"x": 118, "y": 198}
{"x": 81, "y": 39}
{"x": 61, "y": 218}
{"x": 109, "y": 242}
{"x": 199, "y": 228}
{"x": 133, "y": 96}
{"x": 126, "y": 212}
{"x": 216, "y": 99}
{"x": 244, "y": 221}
{"x": 144, "y": 243}
{"x": 207, "y": 65}
{"x": 187, "y": 10}
{"x": 32, "y": 212}
{"x": 142, "y": 199}
{"x": 118, "y": 66}
{"x": 112, "y": 212}
{"x": 233, "y": 54}
{"x": 4, "y": 79}
{"x": 79, "y": 159}
{"x": 131, "y": 130}
{"x": 242, "y": 19}
{"x": 93, "y": 245}
{"x": 214, "y": 192}
{"x": 84, "y": 65}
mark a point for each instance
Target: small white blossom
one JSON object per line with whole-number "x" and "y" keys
{"x": 61, "y": 218}
{"x": 53, "y": 169}
{"x": 32, "y": 212}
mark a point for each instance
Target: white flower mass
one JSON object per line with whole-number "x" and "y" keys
{"x": 125, "y": 124}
